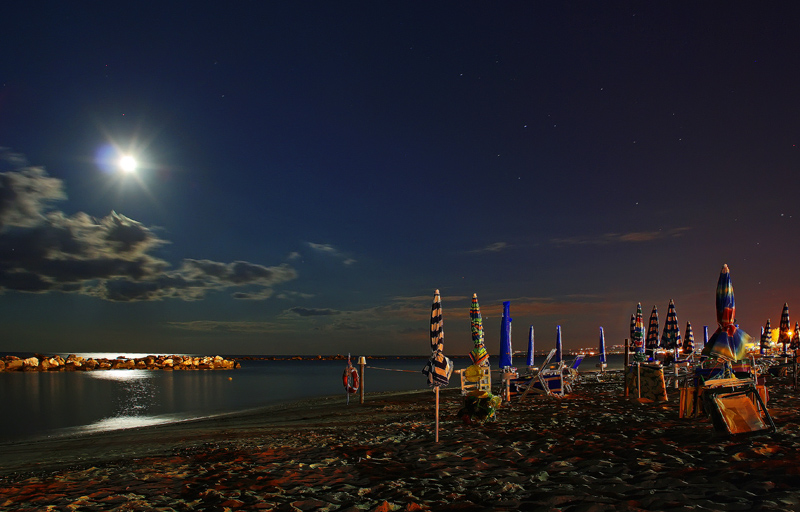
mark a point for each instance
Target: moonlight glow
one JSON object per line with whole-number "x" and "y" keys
{"x": 127, "y": 164}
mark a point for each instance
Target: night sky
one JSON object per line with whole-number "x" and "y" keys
{"x": 310, "y": 172}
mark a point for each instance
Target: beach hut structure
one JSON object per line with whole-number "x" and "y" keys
{"x": 671, "y": 337}
{"x": 785, "y": 333}
{"x": 728, "y": 342}
{"x": 505, "y": 337}
{"x": 439, "y": 367}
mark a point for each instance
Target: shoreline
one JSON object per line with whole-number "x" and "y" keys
{"x": 592, "y": 450}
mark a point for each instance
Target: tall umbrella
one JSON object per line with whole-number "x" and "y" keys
{"x": 558, "y": 357}
{"x": 796, "y": 338}
{"x": 728, "y": 341}
{"x": 688, "y": 340}
{"x": 439, "y": 367}
{"x": 652, "y": 331}
{"x": 671, "y": 337}
{"x": 766, "y": 339}
{"x": 505, "y": 337}
{"x": 479, "y": 355}
{"x": 631, "y": 345}
{"x": 638, "y": 332}
{"x": 529, "y": 357}
{"x": 705, "y": 337}
{"x": 784, "y": 337}
{"x": 602, "y": 349}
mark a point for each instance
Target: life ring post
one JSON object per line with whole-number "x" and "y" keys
{"x": 362, "y": 363}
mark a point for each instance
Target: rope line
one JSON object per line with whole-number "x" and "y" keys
{"x": 393, "y": 369}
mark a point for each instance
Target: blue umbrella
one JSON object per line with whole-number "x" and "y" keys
{"x": 529, "y": 359}
{"x": 705, "y": 337}
{"x": 505, "y": 337}
{"x": 602, "y": 348}
{"x": 558, "y": 358}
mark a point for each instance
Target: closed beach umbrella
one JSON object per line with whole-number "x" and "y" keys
{"x": 558, "y": 357}
{"x": 688, "y": 340}
{"x": 705, "y": 337}
{"x": 766, "y": 339}
{"x": 652, "y": 331}
{"x": 478, "y": 354}
{"x": 784, "y": 337}
{"x": 796, "y": 337}
{"x": 505, "y": 337}
{"x": 439, "y": 368}
{"x": 728, "y": 341}
{"x": 602, "y": 347}
{"x": 638, "y": 331}
{"x": 633, "y": 332}
{"x": 671, "y": 337}
{"x": 529, "y": 358}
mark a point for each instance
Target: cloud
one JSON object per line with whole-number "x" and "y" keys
{"x": 492, "y": 248}
{"x": 214, "y": 326}
{"x": 313, "y": 311}
{"x": 331, "y": 251}
{"x": 611, "y": 238}
{"x": 43, "y": 249}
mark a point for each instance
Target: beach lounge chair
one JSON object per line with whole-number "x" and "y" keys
{"x": 476, "y": 381}
{"x": 735, "y": 406}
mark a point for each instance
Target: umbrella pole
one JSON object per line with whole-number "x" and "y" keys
{"x": 436, "y": 391}
{"x": 362, "y": 362}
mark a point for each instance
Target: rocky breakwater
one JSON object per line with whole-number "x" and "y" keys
{"x": 40, "y": 363}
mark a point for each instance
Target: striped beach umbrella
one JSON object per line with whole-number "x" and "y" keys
{"x": 652, "y": 331}
{"x": 688, "y": 340}
{"x": 638, "y": 331}
{"x": 602, "y": 347}
{"x": 671, "y": 337}
{"x": 559, "y": 353}
{"x": 633, "y": 332}
{"x": 505, "y": 336}
{"x": 796, "y": 338}
{"x": 785, "y": 333}
{"x": 479, "y": 355}
{"x": 529, "y": 357}
{"x": 728, "y": 341}
{"x": 439, "y": 367}
{"x": 766, "y": 339}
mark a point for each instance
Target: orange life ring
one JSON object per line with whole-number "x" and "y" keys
{"x": 350, "y": 378}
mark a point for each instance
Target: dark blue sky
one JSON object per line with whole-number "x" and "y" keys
{"x": 312, "y": 171}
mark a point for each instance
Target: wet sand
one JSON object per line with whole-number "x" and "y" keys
{"x": 594, "y": 450}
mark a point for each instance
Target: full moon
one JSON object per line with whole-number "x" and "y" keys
{"x": 127, "y": 164}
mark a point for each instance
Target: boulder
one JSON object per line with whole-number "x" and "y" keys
{"x": 31, "y": 362}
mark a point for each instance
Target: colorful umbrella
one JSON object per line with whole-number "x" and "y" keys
{"x": 558, "y": 357}
{"x": 784, "y": 336}
{"x": 633, "y": 332}
{"x": 766, "y": 339}
{"x": 688, "y": 340}
{"x": 478, "y": 354}
{"x": 671, "y": 337}
{"x": 439, "y": 368}
{"x": 602, "y": 347}
{"x": 652, "y": 331}
{"x": 505, "y": 337}
{"x": 638, "y": 331}
{"x": 796, "y": 338}
{"x": 529, "y": 357}
{"x": 728, "y": 341}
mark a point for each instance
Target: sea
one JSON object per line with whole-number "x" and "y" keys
{"x": 58, "y": 404}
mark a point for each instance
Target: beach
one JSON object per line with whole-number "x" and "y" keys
{"x": 592, "y": 450}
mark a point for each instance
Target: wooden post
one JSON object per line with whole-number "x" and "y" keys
{"x": 436, "y": 390}
{"x": 362, "y": 363}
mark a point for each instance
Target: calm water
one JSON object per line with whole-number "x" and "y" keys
{"x": 62, "y": 403}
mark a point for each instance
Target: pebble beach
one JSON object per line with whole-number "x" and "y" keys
{"x": 593, "y": 450}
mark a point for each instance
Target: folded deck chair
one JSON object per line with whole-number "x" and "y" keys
{"x": 530, "y": 384}
{"x": 736, "y": 407}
